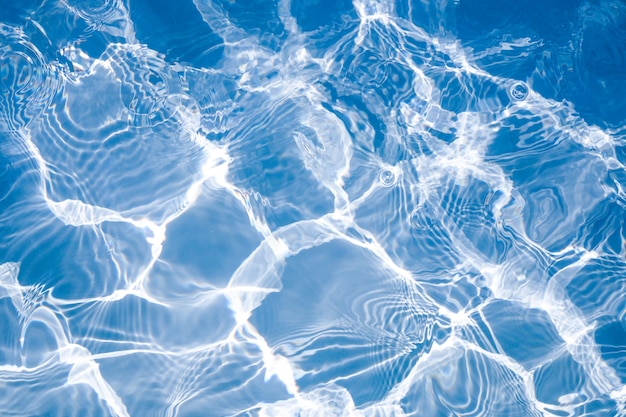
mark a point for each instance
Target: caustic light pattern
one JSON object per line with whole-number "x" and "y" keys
{"x": 312, "y": 208}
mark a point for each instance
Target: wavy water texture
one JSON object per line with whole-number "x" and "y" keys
{"x": 312, "y": 208}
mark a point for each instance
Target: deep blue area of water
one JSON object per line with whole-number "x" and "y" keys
{"x": 312, "y": 208}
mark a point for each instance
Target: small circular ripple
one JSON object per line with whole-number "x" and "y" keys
{"x": 94, "y": 11}
{"x": 423, "y": 218}
{"x": 27, "y": 82}
{"x": 387, "y": 177}
{"x": 148, "y": 84}
{"x": 518, "y": 91}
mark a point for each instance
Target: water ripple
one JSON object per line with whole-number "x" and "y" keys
{"x": 27, "y": 81}
{"x": 290, "y": 208}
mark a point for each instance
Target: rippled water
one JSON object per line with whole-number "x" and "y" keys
{"x": 312, "y": 208}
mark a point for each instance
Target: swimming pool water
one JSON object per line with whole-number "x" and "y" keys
{"x": 312, "y": 208}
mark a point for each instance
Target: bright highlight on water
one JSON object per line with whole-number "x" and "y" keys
{"x": 312, "y": 208}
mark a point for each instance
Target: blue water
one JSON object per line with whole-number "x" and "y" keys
{"x": 312, "y": 208}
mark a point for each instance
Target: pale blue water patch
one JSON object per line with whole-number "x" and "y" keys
{"x": 312, "y": 208}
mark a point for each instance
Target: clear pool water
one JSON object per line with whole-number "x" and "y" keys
{"x": 312, "y": 208}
